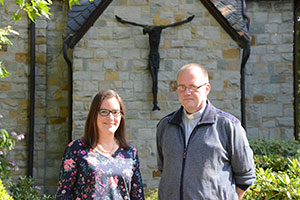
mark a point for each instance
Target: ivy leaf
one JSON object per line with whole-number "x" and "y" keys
{"x": 16, "y": 16}
{"x": 3, "y": 72}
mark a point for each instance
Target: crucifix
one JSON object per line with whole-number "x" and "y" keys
{"x": 154, "y": 33}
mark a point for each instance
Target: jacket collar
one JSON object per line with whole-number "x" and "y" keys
{"x": 208, "y": 116}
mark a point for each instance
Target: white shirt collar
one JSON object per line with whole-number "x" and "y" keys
{"x": 195, "y": 115}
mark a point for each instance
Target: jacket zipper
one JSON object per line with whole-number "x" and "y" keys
{"x": 183, "y": 161}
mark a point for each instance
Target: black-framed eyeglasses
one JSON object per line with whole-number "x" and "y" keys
{"x": 192, "y": 88}
{"x": 106, "y": 112}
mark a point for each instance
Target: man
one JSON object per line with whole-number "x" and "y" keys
{"x": 203, "y": 152}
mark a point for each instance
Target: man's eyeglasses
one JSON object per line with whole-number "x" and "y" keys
{"x": 106, "y": 112}
{"x": 192, "y": 88}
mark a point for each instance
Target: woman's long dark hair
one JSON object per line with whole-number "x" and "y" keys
{"x": 91, "y": 135}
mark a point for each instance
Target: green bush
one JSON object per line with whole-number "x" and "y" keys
{"x": 151, "y": 194}
{"x": 276, "y": 185}
{"x": 3, "y": 193}
{"x": 277, "y": 170}
{"x": 25, "y": 189}
{"x": 275, "y": 147}
{"x": 7, "y": 143}
{"x": 273, "y": 154}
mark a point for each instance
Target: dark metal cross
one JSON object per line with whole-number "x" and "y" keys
{"x": 154, "y": 33}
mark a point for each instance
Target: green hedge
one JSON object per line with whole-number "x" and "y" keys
{"x": 24, "y": 188}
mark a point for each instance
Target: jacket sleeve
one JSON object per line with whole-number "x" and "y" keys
{"x": 67, "y": 175}
{"x": 137, "y": 191}
{"x": 159, "y": 148}
{"x": 242, "y": 161}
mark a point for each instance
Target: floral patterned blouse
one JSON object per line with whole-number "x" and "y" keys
{"x": 88, "y": 174}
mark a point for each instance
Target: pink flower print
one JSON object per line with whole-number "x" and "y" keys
{"x": 70, "y": 144}
{"x": 134, "y": 152}
{"x": 82, "y": 152}
{"x": 116, "y": 180}
{"x": 69, "y": 164}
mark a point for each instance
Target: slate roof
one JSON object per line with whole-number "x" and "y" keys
{"x": 229, "y": 13}
{"x": 80, "y": 13}
{"x": 232, "y": 17}
{"x": 81, "y": 17}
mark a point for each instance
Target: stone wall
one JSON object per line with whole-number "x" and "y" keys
{"x": 269, "y": 79}
{"x": 14, "y": 92}
{"x": 50, "y": 129}
{"x": 113, "y": 55}
{"x": 56, "y": 95}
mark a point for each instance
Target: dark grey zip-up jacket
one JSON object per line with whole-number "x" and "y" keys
{"x": 217, "y": 157}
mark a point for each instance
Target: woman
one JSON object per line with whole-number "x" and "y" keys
{"x": 101, "y": 165}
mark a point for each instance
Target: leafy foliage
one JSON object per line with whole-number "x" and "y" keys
{"x": 276, "y": 185}
{"x": 273, "y": 153}
{"x": 275, "y": 147}
{"x": 277, "y": 170}
{"x": 33, "y": 9}
{"x": 151, "y": 194}
{"x": 7, "y": 143}
{"x": 24, "y": 188}
{"x": 3, "y": 193}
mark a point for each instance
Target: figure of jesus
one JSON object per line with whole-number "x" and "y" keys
{"x": 154, "y": 33}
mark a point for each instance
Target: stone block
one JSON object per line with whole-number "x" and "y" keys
{"x": 257, "y": 28}
{"x": 230, "y": 53}
{"x": 123, "y": 76}
{"x": 287, "y": 17}
{"x": 275, "y": 17}
{"x": 138, "y": 86}
{"x": 287, "y": 57}
{"x": 271, "y": 88}
{"x": 111, "y": 76}
{"x": 262, "y": 39}
{"x": 188, "y": 53}
{"x": 211, "y": 33}
{"x": 285, "y": 48}
{"x": 129, "y": 13}
{"x": 276, "y": 39}
{"x": 286, "y": 121}
{"x": 260, "y": 17}
{"x": 173, "y": 53}
{"x": 96, "y": 44}
{"x": 91, "y": 86}
{"x": 283, "y": 6}
{"x": 99, "y": 54}
{"x": 21, "y": 57}
{"x": 271, "y": 58}
{"x": 285, "y": 28}
{"x": 82, "y": 53}
{"x": 258, "y": 50}
{"x": 272, "y": 110}
{"x": 271, "y": 28}
{"x": 5, "y": 86}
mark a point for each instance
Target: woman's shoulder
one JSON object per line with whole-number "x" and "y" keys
{"x": 76, "y": 144}
{"x": 131, "y": 150}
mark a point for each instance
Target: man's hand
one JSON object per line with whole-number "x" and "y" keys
{"x": 240, "y": 193}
